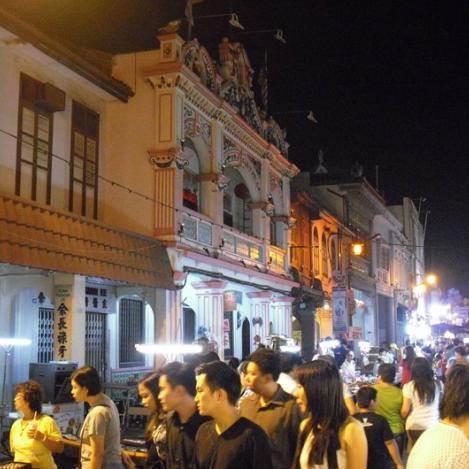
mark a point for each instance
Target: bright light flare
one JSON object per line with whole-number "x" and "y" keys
{"x": 357, "y": 248}
{"x": 290, "y": 348}
{"x": 420, "y": 289}
{"x": 168, "y": 349}
{"x": 431, "y": 279}
{"x": 13, "y": 342}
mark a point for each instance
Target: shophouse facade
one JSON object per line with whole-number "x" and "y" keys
{"x": 75, "y": 278}
{"x": 221, "y": 182}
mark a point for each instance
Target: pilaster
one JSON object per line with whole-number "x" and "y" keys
{"x": 260, "y": 315}
{"x": 282, "y": 315}
{"x": 209, "y": 317}
{"x": 70, "y": 317}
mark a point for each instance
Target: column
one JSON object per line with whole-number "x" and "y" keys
{"x": 260, "y": 315}
{"x": 281, "y": 315}
{"x": 209, "y": 314}
{"x": 70, "y": 317}
{"x": 168, "y": 316}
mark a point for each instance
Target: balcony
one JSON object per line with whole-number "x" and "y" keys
{"x": 277, "y": 259}
{"x": 197, "y": 228}
{"x": 242, "y": 246}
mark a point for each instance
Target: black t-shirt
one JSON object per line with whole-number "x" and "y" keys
{"x": 377, "y": 431}
{"x": 181, "y": 440}
{"x": 244, "y": 445}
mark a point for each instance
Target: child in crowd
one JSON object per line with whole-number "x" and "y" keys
{"x": 383, "y": 452}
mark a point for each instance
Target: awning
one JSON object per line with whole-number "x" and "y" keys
{"x": 45, "y": 238}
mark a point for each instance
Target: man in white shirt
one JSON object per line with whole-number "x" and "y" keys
{"x": 446, "y": 444}
{"x": 347, "y": 369}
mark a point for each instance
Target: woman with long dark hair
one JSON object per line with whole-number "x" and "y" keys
{"x": 329, "y": 437}
{"x": 406, "y": 364}
{"x": 155, "y": 430}
{"x": 421, "y": 400}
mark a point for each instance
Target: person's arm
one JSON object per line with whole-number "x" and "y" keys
{"x": 12, "y": 432}
{"x": 97, "y": 451}
{"x": 54, "y": 445}
{"x": 405, "y": 408}
{"x": 355, "y": 445}
{"x": 49, "y": 435}
{"x": 394, "y": 452}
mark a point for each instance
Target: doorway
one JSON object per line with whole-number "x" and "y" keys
{"x": 245, "y": 339}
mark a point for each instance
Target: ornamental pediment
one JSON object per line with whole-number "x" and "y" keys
{"x": 231, "y": 79}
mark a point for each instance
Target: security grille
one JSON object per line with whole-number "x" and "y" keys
{"x": 45, "y": 335}
{"x": 95, "y": 342}
{"x": 131, "y": 332}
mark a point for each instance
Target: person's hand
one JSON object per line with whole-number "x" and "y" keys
{"x": 127, "y": 461}
{"x": 34, "y": 433}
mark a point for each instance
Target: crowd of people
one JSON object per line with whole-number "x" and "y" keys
{"x": 270, "y": 412}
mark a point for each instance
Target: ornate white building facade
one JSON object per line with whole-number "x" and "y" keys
{"x": 221, "y": 183}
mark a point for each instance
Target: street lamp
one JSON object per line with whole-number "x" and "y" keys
{"x": 431, "y": 279}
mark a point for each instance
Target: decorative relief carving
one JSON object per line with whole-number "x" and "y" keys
{"x": 195, "y": 125}
{"x": 196, "y": 57}
{"x": 164, "y": 158}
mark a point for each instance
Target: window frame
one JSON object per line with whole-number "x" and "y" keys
{"x": 87, "y": 134}
{"x": 131, "y": 338}
{"x": 24, "y": 102}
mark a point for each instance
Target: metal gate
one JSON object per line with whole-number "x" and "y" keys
{"x": 95, "y": 342}
{"x": 45, "y": 335}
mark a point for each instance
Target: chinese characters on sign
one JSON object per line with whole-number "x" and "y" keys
{"x": 62, "y": 338}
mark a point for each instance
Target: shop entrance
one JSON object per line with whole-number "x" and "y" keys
{"x": 95, "y": 343}
{"x": 246, "y": 338}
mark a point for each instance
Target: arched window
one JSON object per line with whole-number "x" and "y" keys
{"x": 315, "y": 251}
{"x": 325, "y": 257}
{"x": 237, "y": 201}
{"x": 333, "y": 254}
{"x": 191, "y": 183}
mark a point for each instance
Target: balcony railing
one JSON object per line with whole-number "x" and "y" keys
{"x": 277, "y": 257}
{"x": 243, "y": 246}
{"x": 197, "y": 229}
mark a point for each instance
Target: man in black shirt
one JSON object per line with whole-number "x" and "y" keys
{"x": 228, "y": 441}
{"x": 270, "y": 407}
{"x": 177, "y": 390}
{"x": 383, "y": 452}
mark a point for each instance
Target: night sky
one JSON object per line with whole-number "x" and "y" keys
{"x": 387, "y": 80}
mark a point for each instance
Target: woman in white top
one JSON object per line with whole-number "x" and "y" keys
{"x": 329, "y": 437}
{"x": 421, "y": 400}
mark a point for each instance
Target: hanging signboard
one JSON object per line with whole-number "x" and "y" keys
{"x": 339, "y": 310}
{"x": 62, "y": 322}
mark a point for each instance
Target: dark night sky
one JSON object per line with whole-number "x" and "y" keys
{"x": 387, "y": 80}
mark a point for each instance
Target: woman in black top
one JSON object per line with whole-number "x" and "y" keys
{"x": 155, "y": 431}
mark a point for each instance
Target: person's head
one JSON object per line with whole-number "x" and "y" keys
{"x": 424, "y": 382}
{"x": 387, "y": 373}
{"x": 204, "y": 342}
{"x": 366, "y": 398}
{"x": 286, "y": 362}
{"x": 409, "y": 355}
{"x": 460, "y": 354}
{"x": 148, "y": 390}
{"x": 217, "y": 385}
{"x": 234, "y": 363}
{"x": 177, "y": 382}
{"x": 263, "y": 369}
{"x": 85, "y": 383}
{"x": 328, "y": 359}
{"x": 319, "y": 389}
{"x": 28, "y": 397}
{"x": 320, "y": 394}
{"x": 455, "y": 401}
{"x": 350, "y": 355}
